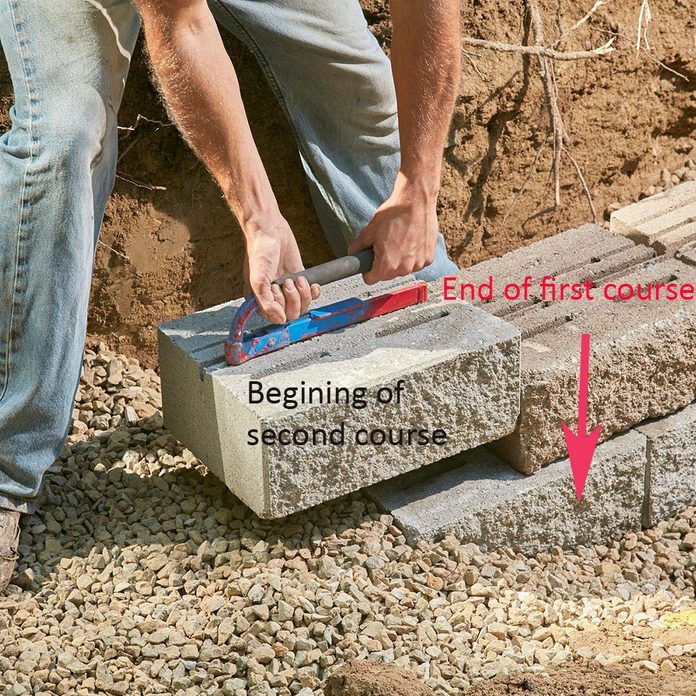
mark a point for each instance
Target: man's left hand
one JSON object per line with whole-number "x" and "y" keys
{"x": 402, "y": 234}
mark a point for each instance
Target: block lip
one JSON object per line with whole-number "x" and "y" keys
{"x": 671, "y": 464}
{"x": 626, "y": 338}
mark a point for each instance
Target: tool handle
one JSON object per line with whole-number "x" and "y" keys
{"x": 338, "y": 269}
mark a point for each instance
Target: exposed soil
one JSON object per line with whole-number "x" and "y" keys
{"x": 595, "y": 681}
{"x": 592, "y": 679}
{"x": 375, "y": 679}
{"x": 358, "y": 678}
{"x": 361, "y": 678}
{"x": 168, "y": 252}
{"x": 585, "y": 677}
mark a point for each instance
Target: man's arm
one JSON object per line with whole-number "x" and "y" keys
{"x": 200, "y": 87}
{"x": 426, "y": 63}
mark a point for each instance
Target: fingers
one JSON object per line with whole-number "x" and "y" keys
{"x": 392, "y": 259}
{"x": 298, "y": 295}
{"x": 362, "y": 241}
{"x": 280, "y": 304}
{"x": 271, "y": 302}
{"x": 388, "y": 264}
{"x": 304, "y": 292}
{"x": 293, "y": 301}
{"x": 393, "y": 263}
{"x": 385, "y": 268}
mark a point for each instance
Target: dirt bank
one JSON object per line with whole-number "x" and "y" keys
{"x": 174, "y": 248}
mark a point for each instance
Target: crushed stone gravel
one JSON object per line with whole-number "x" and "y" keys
{"x": 141, "y": 574}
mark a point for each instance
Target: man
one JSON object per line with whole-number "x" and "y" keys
{"x": 374, "y": 182}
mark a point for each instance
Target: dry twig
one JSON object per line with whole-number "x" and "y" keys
{"x": 538, "y": 50}
{"x": 140, "y": 184}
{"x": 646, "y": 52}
{"x": 111, "y": 249}
{"x": 470, "y": 57}
{"x": 644, "y": 18}
{"x": 127, "y": 149}
{"x": 527, "y": 179}
{"x": 144, "y": 119}
{"x": 585, "y": 187}
{"x": 583, "y": 20}
{"x": 546, "y": 55}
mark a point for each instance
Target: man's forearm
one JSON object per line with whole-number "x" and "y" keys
{"x": 200, "y": 87}
{"x": 426, "y": 61}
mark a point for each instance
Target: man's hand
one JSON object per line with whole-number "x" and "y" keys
{"x": 425, "y": 56}
{"x": 199, "y": 84}
{"x": 272, "y": 252}
{"x": 402, "y": 234}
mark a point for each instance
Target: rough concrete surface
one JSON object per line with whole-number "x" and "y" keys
{"x": 587, "y": 252}
{"x": 665, "y": 221}
{"x": 671, "y": 472}
{"x": 479, "y": 499}
{"x": 687, "y": 254}
{"x": 643, "y": 363}
{"x": 460, "y": 368}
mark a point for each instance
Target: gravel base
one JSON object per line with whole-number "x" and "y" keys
{"x": 141, "y": 574}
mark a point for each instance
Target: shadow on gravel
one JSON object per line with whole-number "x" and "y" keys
{"x": 134, "y": 492}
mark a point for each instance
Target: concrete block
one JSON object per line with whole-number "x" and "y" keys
{"x": 461, "y": 371}
{"x": 643, "y": 365}
{"x": 687, "y": 254}
{"x": 670, "y": 484}
{"x": 588, "y": 252}
{"x": 665, "y": 221}
{"x": 479, "y": 499}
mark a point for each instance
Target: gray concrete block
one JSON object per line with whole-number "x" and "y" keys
{"x": 643, "y": 365}
{"x": 479, "y": 499}
{"x": 671, "y": 473}
{"x": 588, "y": 252}
{"x": 687, "y": 254}
{"x": 665, "y": 221}
{"x": 461, "y": 372}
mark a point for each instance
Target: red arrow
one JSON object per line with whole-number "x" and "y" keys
{"x": 581, "y": 447}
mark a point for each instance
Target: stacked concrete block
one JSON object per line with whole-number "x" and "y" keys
{"x": 460, "y": 372}
{"x": 643, "y": 365}
{"x": 478, "y": 498}
{"x": 636, "y": 479}
{"x": 666, "y": 222}
{"x": 643, "y": 362}
{"x": 687, "y": 254}
{"x": 670, "y": 479}
{"x": 585, "y": 253}
{"x": 643, "y": 368}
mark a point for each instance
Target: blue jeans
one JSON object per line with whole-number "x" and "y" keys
{"x": 69, "y": 60}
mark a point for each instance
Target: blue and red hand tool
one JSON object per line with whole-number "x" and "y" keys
{"x": 242, "y": 345}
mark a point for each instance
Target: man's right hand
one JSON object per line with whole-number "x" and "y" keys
{"x": 272, "y": 252}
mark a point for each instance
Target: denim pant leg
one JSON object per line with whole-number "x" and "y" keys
{"x": 68, "y": 61}
{"x": 336, "y": 85}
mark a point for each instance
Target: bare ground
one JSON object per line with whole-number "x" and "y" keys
{"x": 168, "y": 252}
